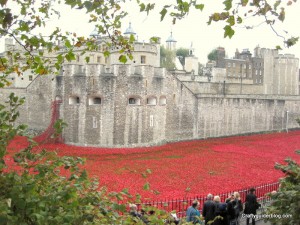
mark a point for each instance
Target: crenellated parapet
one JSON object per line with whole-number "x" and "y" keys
{"x": 287, "y": 58}
{"x": 160, "y": 72}
{"x": 91, "y": 70}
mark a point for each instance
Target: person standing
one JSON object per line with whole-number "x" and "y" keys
{"x": 221, "y": 211}
{"x": 192, "y": 213}
{"x": 135, "y": 214}
{"x": 231, "y": 203}
{"x": 209, "y": 209}
{"x": 238, "y": 208}
{"x": 251, "y": 205}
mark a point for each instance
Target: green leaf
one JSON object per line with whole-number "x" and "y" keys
{"x": 163, "y": 13}
{"x": 68, "y": 44}
{"x": 244, "y": 2}
{"x": 239, "y": 20}
{"x": 231, "y": 20}
{"x": 281, "y": 16}
{"x": 229, "y": 32}
{"x": 106, "y": 53}
{"x": 291, "y": 41}
{"x": 146, "y": 186}
{"x": 154, "y": 39}
{"x": 228, "y": 4}
{"x": 199, "y": 6}
{"x": 276, "y": 4}
{"x": 149, "y": 7}
{"x": 3, "y": 2}
{"x": 123, "y": 59}
{"x": 142, "y": 7}
{"x": 88, "y": 5}
{"x": 131, "y": 38}
{"x": 70, "y": 56}
{"x": 7, "y": 20}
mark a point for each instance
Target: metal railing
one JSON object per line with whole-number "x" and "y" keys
{"x": 181, "y": 205}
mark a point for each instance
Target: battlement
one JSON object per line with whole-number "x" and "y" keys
{"x": 287, "y": 58}
{"x": 113, "y": 70}
{"x": 140, "y": 47}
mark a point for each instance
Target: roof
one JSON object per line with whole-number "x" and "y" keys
{"x": 171, "y": 38}
{"x": 129, "y": 30}
{"x": 94, "y": 33}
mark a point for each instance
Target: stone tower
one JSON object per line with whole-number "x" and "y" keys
{"x": 191, "y": 61}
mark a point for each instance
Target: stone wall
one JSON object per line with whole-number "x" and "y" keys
{"x": 164, "y": 108}
{"x": 233, "y": 115}
{"x": 218, "y": 88}
{"x": 36, "y": 111}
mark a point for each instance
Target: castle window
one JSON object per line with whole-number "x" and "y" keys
{"x": 151, "y": 120}
{"x": 249, "y": 67}
{"x": 98, "y": 59}
{"x": 77, "y": 58}
{"x": 260, "y": 73}
{"x": 134, "y": 101}
{"x": 256, "y": 72}
{"x": 143, "y": 59}
{"x": 151, "y": 101}
{"x": 94, "y": 122}
{"x": 30, "y": 77}
{"x": 95, "y": 101}
{"x": 58, "y": 98}
{"x": 91, "y": 58}
{"x": 162, "y": 100}
{"x": 74, "y": 100}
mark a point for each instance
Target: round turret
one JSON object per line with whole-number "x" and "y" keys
{"x": 94, "y": 33}
{"x": 171, "y": 42}
{"x": 129, "y": 31}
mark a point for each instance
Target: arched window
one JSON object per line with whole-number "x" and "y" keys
{"x": 151, "y": 100}
{"x": 58, "y": 99}
{"x": 95, "y": 100}
{"x": 162, "y": 100}
{"x": 134, "y": 101}
{"x": 74, "y": 100}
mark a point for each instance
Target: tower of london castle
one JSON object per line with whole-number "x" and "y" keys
{"x": 107, "y": 103}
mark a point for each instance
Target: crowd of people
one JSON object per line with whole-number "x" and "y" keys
{"x": 214, "y": 211}
{"x": 224, "y": 213}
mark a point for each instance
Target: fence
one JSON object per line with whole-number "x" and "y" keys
{"x": 181, "y": 205}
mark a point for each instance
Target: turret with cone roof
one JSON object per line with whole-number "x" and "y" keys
{"x": 94, "y": 33}
{"x": 129, "y": 31}
{"x": 171, "y": 42}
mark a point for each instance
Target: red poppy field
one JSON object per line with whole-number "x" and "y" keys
{"x": 186, "y": 169}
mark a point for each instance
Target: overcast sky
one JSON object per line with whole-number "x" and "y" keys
{"x": 193, "y": 29}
